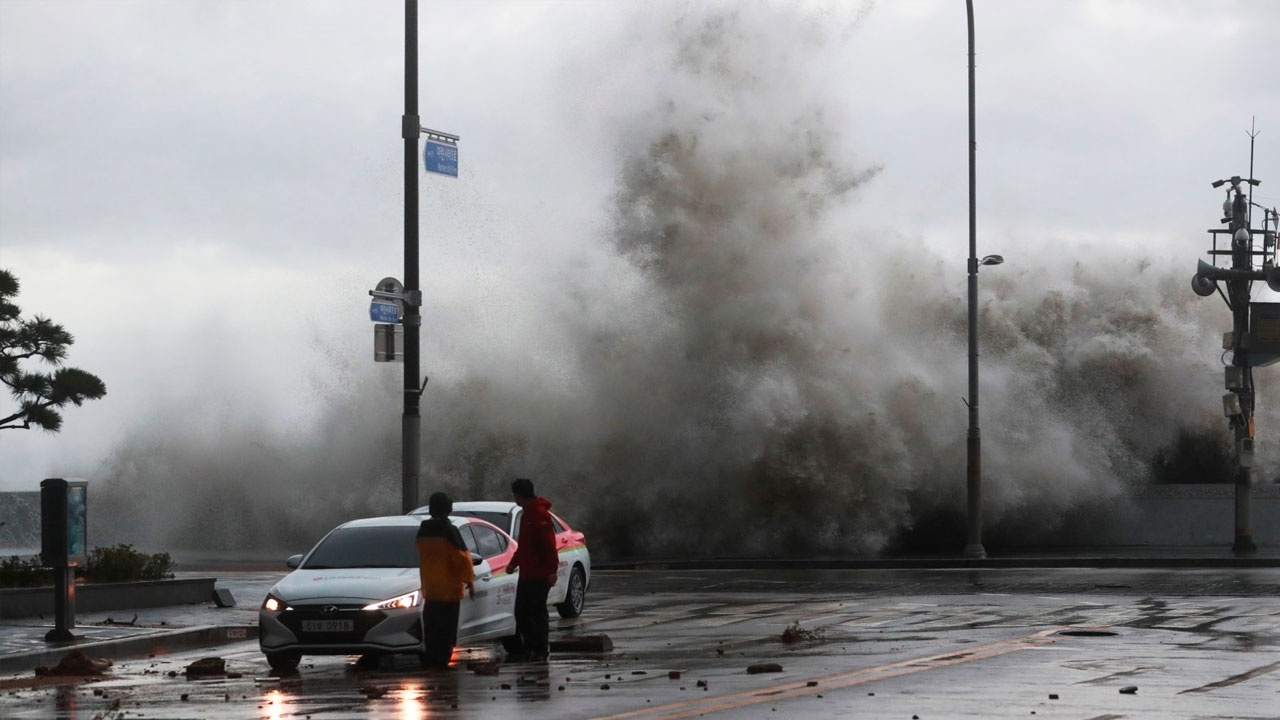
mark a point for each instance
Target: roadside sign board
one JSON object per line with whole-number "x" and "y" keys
{"x": 384, "y": 312}
{"x": 64, "y": 524}
{"x": 441, "y": 158}
{"x": 77, "y": 522}
{"x": 388, "y": 343}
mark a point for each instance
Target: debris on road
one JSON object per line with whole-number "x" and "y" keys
{"x": 76, "y": 663}
{"x": 582, "y": 643}
{"x": 1053, "y": 696}
{"x": 794, "y": 634}
{"x": 484, "y": 668}
{"x": 112, "y": 621}
{"x": 674, "y": 674}
{"x": 207, "y": 667}
{"x": 758, "y": 668}
{"x": 1129, "y": 690}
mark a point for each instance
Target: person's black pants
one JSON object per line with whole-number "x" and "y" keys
{"x": 439, "y": 632}
{"x": 531, "y": 616}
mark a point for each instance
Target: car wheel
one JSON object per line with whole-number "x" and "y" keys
{"x": 285, "y": 661}
{"x": 576, "y": 597}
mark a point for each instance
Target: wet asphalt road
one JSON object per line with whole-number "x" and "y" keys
{"x": 876, "y": 644}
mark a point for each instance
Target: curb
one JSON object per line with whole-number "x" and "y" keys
{"x": 150, "y": 644}
{"x": 948, "y": 563}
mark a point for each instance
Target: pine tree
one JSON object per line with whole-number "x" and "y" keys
{"x": 38, "y": 394}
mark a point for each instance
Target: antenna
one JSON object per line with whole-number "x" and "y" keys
{"x": 1253, "y": 134}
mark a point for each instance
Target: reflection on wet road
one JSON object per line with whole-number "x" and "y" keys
{"x": 934, "y": 644}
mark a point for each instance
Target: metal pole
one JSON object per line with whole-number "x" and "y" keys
{"x": 1242, "y": 259}
{"x": 973, "y": 547}
{"x": 411, "y": 421}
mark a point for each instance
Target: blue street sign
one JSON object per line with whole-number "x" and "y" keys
{"x": 384, "y": 312}
{"x": 441, "y": 158}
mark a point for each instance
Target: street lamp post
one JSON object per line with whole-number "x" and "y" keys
{"x": 973, "y": 546}
{"x": 411, "y": 419}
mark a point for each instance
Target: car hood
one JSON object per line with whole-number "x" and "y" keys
{"x": 346, "y": 584}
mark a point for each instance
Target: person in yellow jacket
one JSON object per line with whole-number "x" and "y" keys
{"x": 444, "y": 567}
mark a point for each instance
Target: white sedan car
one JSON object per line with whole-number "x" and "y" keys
{"x": 358, "y": 591}
{"x": 570, "y": 592}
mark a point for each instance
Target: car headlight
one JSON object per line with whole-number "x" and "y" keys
{"x": 273, "y": 603}
{"x": 404, "y": 602}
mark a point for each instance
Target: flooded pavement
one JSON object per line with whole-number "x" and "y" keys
{"x": 1081, "y": 644}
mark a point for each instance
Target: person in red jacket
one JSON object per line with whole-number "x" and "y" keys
{"x": 538, "y": 562}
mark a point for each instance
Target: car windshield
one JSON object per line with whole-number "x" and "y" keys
{"x": 367, "y": 547}
{"x": 500, "y": 519}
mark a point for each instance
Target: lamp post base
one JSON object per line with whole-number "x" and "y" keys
{"x": 975, "y": 551}
{"x": 60, "y": 635}
{"x": 1244, "y": 545}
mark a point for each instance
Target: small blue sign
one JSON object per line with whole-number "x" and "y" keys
{"x": 441, "y": 158}
{"x": 382, "y": 312}
{"x": 77, "y": 523}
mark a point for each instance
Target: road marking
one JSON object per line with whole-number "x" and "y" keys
{"x": 1235, "y": 679}
{"x": 1121, "y": 674}
{"x": 688, "y": 708}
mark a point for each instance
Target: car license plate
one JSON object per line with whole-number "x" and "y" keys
{"x": 325, "y": 626}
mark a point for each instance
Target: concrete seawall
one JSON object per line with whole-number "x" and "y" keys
{"x": 1187, "y": 516}
{"x": 99, "y": 597}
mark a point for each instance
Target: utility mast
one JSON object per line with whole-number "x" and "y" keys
{"x": 1254, "y": 340}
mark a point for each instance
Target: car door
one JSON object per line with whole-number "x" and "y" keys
{"x": 495, "y": 592}
{"x": 569, "y": 547}
{"x": 470, "y": 610}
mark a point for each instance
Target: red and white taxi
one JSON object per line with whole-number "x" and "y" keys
{"x": 569, "y": 594}
{"x": 358, "y": 591}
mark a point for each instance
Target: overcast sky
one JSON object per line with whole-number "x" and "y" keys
{"x": 203, "y": 192}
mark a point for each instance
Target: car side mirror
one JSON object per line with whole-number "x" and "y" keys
{"x": 294, "y": 561}
{"x": 476, "y": 559}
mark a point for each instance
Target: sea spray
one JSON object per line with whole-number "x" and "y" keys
{"x": 749, "y": 370}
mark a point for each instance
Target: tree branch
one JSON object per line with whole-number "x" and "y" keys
{"x": 23, "y": 412}
{"x": 23, "y": 356}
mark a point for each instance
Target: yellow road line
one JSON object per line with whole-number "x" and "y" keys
{"x": 782, "y": 691}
